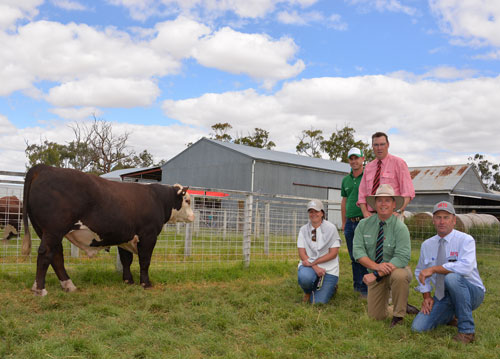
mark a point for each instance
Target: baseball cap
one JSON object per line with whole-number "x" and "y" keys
{"x": 315, "y": 204}
{"x": 444, "y": 206}
{"x": 355, "y": 151}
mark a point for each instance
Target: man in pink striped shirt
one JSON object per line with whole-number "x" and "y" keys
{"x": 384, "y": 169}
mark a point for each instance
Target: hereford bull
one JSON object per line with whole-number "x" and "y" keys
{"x": 95, "y": 213}
{"x": 10, "y": 216}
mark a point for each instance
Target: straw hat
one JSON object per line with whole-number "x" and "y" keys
{"x": 385, "y": 190}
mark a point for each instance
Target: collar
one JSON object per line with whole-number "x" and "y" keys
{"x": 448, "y": 237}
{"x": 361, "y": 175}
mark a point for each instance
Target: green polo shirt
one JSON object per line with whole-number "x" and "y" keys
{"x": 349, "y": 189}
{"x": 397, "y": 247}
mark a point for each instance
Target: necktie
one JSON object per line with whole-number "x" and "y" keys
{"x": 379, "y": 250}
{"x": 440, "y": 260}
{"x": 376, "y": 180}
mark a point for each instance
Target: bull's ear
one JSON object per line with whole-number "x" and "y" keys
{"x": 184, "y": 190}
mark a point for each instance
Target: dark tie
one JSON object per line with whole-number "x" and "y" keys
{"x": 379, "y": 250}
{"x": 440, "y": 260}
{"x": 376, "y": 180}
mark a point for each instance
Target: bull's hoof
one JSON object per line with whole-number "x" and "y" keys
{"x": 128, "y": 281}
{"x": 67, "y": 285}
{"x": 38, "y": 292}
{"x": 146, "y": 285}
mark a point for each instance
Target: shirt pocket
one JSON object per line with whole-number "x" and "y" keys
{"x": 388, "y": 175}
{"x": 389, "y": 249}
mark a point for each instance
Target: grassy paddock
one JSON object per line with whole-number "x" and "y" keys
{"x": 225, "y": 311}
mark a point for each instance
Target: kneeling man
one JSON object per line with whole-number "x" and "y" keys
{"x": 448, "y": 260}
{"x": 382, "y": 245}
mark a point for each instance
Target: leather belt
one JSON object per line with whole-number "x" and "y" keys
{"x": 355, "y": 219}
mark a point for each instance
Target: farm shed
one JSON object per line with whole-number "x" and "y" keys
{"x": 458, "y": 184}
{"x": 228, "y": 166}
{"x": 144, "y": 175}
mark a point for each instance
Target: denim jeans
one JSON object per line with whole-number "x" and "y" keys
{"x": 308, "y": 281}
{"x": 358, "y": 271}
{"x": 460, "y": 299}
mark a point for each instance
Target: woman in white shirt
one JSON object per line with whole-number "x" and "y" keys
{"x": 318, "y": 245}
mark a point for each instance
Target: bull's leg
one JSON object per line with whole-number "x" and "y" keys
{"x": 58, "y": 265}
{"x": 145, "y": 249}
{"x": 126, "y": 258}
{"x": 42, "y": 264}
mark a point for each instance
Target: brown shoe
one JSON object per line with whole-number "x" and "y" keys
{"x": 410, "y": 309}
{"x": 465, "y": 338}
{"x": 453, "y": 322}
{"x": 396, "y": 321}
{"x": 306, "y": 298}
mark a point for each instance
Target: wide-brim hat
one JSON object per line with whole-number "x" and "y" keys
{"x": 385, "y": 190}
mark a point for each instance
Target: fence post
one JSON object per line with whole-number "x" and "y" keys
{"x": 224, "y": 226}
{"x": 247, "y": 229}
{"x": 267, "y": 222}
{"x": 294, "y": 224}
{"x": 256, "y": 225}
{"x": 74, "y": 251}
{"x": 188, "y": 240}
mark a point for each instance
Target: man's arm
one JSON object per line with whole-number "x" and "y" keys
{"x": 427, "y": 303}
{"x": 343, "y": 211}
{"x": 427, "y": 272}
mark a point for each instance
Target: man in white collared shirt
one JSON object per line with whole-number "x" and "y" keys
{"x": 448, "y": 261}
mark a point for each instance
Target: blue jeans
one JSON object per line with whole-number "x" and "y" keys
{"x": 308, "y": 280}
{"x": 460, "y": 299}
{"x": 358, "y": 271}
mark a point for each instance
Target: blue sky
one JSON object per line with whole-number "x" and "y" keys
{"x": 427, "y": 72}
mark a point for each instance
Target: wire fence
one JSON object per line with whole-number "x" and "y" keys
{"x": 230, "y": 228}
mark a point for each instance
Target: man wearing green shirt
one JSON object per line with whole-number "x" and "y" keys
{"x": 352, "y": 214}
{"x": 382, "y": 245}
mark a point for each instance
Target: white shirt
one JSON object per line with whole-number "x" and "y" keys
{"x": 460, "y": 255}
{"x": 327, "y": 237}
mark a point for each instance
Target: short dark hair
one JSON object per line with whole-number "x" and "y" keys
{"x": 380, "y": 134}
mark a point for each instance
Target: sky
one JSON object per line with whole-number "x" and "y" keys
{"x": 426, "y": 72}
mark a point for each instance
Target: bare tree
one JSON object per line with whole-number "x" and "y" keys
{"x": 310, "y": 143}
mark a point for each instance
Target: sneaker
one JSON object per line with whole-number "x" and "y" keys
{"x": 396, "y": 321}
{"x": 465, "y": 338}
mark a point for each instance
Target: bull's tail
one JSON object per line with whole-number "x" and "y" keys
{"x": 26, "y": 246}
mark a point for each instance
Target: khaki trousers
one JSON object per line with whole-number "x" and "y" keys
{"x": 378, "y": 294}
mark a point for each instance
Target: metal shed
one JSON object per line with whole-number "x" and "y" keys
{"x": 458, "y": 184}
{"x": 223, "y": 165}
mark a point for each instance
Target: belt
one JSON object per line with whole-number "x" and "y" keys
{"x": 355, "y": 219}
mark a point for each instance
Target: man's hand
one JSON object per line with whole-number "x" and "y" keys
{"x": 427, "y": 304}
{"x": 424, "y": 274}
{"x": 385, "y": 268}
{"x": 320, "y": 272}
{"x": 306, "y": 263}
{"x": 369, "y": 278}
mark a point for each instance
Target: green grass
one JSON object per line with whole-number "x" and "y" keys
{"x": 225, "y": 311}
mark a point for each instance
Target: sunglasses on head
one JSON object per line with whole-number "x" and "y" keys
{"x": 313, "y": 235}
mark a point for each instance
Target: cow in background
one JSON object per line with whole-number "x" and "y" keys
{"x": 10, "y": 216}
{"x": 96, "y": 213}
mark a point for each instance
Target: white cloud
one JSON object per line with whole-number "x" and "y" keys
{"x": 178, "y": 37}
{"x": 13, "y": 10}
{"x": 69, "y": 5}
{"x": 305, "y": 18}
{"x": 76, "y": 114}
{"x": 476, "y": 22}
{"x": 437, "y": 73}
{"x": 143, "y": 9}
{"x": 384, "y": 5}
{"x": 429, "y": 116}
{"x": 254, "y": 54}
{"x": 105, "y": 92}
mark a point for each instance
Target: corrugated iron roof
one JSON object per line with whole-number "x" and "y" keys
{"x": 284, "y": 157}
{"x": 438, "y": 178}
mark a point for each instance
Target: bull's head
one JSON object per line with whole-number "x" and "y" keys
{"x": 185, "y": 213}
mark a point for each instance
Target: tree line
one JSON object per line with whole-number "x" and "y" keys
{"x": 96, "y": 149}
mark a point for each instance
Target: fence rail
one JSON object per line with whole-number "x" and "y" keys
{"x": 239, "y": 227}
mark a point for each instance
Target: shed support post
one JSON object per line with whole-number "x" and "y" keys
{"x": 224, "y": 226}
{"x": 118, "y": 263}
{"x": 294, "y": 224}
{"x": 188, "y": 240}
{"x": 74, "y": 251}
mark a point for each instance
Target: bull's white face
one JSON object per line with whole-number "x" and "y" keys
{"x": 185, "y": 214}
